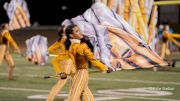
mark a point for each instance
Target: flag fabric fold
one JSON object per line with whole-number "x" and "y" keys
{"x": 116, "y": 43}
{"x": 18, "y": 14}
{"x": 37, "y": 49}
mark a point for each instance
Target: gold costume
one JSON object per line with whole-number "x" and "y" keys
{"x": 5, "y": 41}
{"x": 64, "y": 62}
{"x": 79, "y": 89}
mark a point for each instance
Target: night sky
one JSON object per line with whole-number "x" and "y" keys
{"x": 50, "y": 12}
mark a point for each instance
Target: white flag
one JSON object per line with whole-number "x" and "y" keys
{"x": 18, "y": 14}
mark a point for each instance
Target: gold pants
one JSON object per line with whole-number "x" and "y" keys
{"x": 55, "y": 89}
{"x": 5, "y": 55}
{"x": 79, "y": 89}
{"x": 67, "y": 67}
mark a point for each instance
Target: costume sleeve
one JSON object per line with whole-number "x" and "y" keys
{"x": 10, "y": 39}
{"x": 84, "y": 50}
{"x": 63, "y": 39}
{"x": 56, "y": 64}
{"x": 56, "y": 47}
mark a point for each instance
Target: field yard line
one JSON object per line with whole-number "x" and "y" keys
{"x": 24, "y": 89}
{"x": 98, "y": 99}
{"x": 26, "y": 75}
{"x": 110, "y": 79}
{"x": 133, "y": 97}
{"x": 146, "y": 98}
{"x": 27, "y": 90}
{"x": 135, "y": 81}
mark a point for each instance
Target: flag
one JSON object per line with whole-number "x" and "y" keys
{"x": 116, "y": 43}
{"x": 37, "y": 49}
{"x": 18, "y": 14}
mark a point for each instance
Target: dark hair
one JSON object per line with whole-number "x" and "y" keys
{"x": 69, "y": 30}
{"x": 3, "y": 26}
{"x": 85, "y": 39}
{"x": 60, "y": 30}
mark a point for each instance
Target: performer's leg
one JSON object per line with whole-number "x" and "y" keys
{"x": 56, "y": 88}
{"x": 80, "y": 81}
{"x": 163, "y": 49}
{"x": 2, "y": 52}
{"x": 87, "y": 95}
{"x": 66, "y": 66}
{"x": 167, "y": 52}
{"x": 169, "y": 55}
{"x": 10, "y": 62}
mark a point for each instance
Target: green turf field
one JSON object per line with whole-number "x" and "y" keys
{"x": 136, "y": 85}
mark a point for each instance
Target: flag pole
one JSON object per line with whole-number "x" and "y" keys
{"x": 172, "y": 2}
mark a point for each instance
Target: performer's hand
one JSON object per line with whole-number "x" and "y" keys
{"x": 18, "y": 51}
{"x": 109, "y": 70}
{"x": 63, "y": 75}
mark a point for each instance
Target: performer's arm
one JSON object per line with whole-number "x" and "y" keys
{"x": 11, "y": 41}
{"x": 84, "y": 49}
{"x": 56, "y": 47}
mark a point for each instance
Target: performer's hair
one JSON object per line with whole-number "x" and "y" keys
{"x": 60, "y": 30}
{"x": 3, "y": 26}
{"x": 69, "y": 31}
{"x": 86, "y": 40}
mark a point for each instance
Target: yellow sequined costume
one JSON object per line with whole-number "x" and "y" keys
{"x": 64, "y": 62}
{"x": 79, "y": 89}
{"x": 5, "y": 41}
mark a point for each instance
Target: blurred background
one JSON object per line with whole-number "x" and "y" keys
{"x": 125, "y": 85}
{"x": 45, "y": 12}
{"x": 48, "y": 15}
{"x": 54, "y": 12}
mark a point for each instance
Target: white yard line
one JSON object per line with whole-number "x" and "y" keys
{"x": 24, "y": 89}
{"x": 26, "y": 75}
{"x": 135, "y": 81}
{"x": 110, "y": 79}
{"x": 27, "y": 90}
{"x": 100, "y": 98}
{"x": 146, "y": 98}
{"x": 133, "y": 97}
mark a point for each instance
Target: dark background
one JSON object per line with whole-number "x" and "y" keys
{"x": 50, "y": 12}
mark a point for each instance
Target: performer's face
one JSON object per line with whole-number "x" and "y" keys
{"x": 76, "y": 33}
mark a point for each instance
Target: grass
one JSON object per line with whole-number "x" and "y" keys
{"x": 28, "y": 82}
